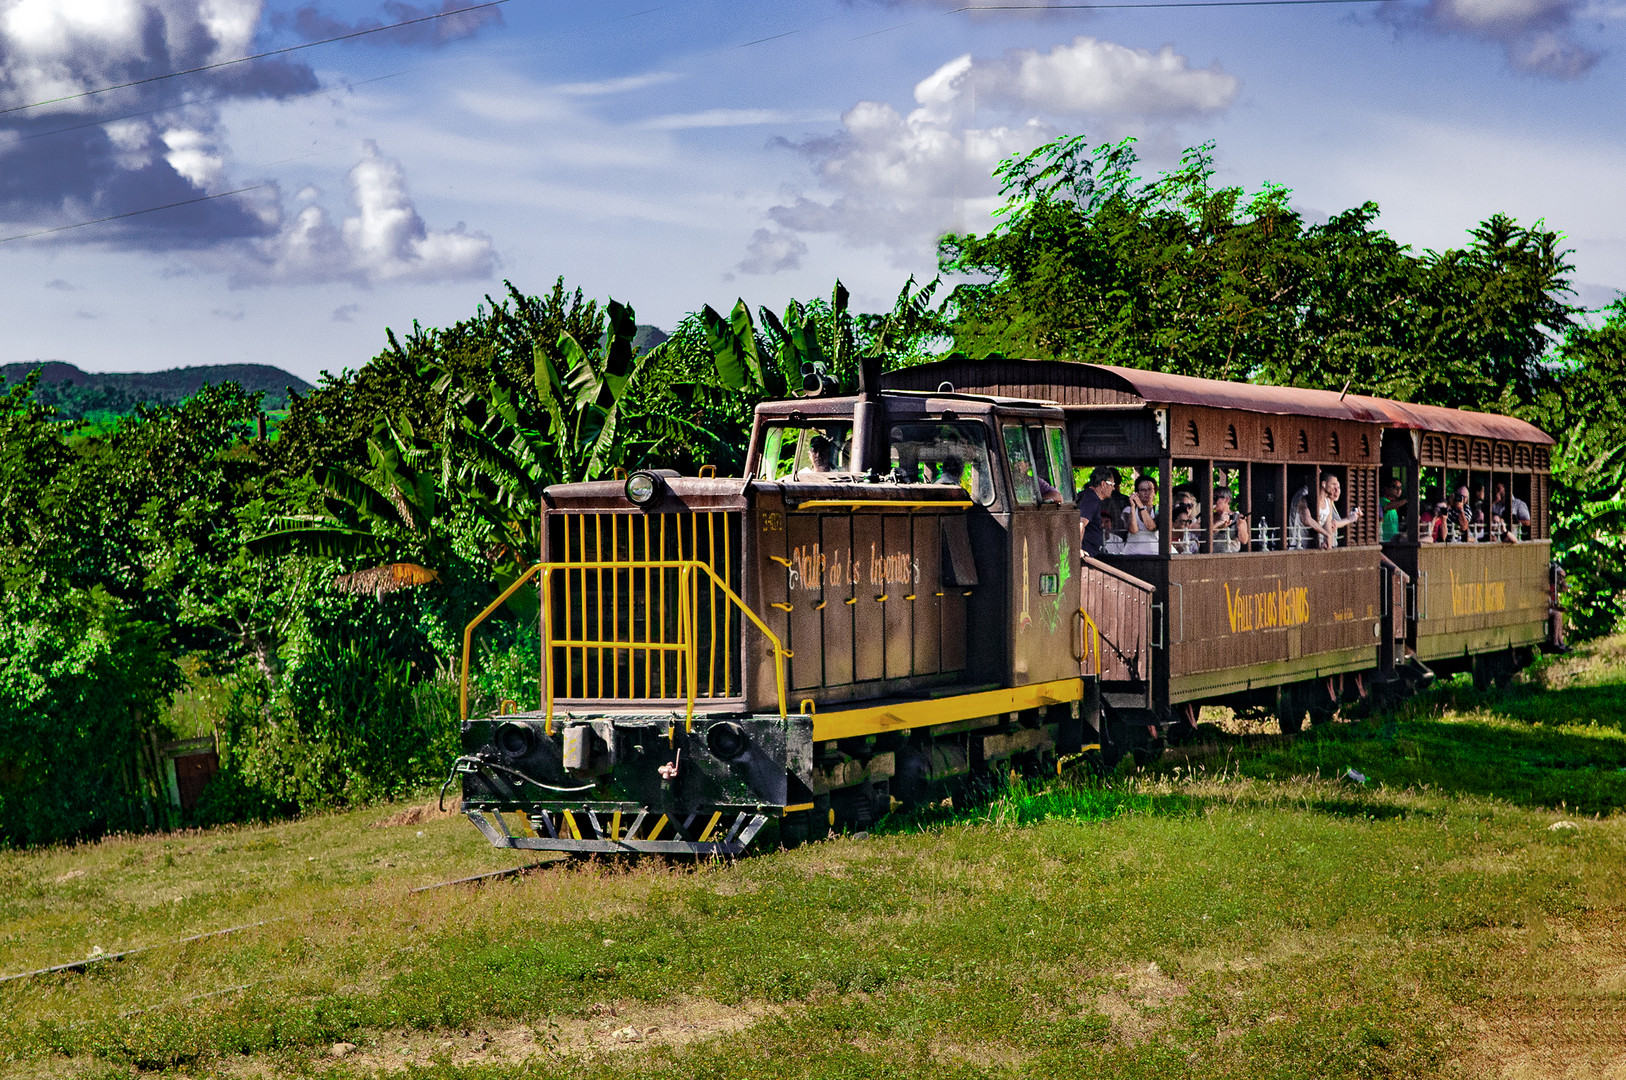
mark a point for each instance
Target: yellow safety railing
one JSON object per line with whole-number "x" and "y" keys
{"x": 468, "y": 634}
{"x": 686, "y": 647}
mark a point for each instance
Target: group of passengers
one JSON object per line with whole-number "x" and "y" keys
{"x": 1127, "y": 525}
{"x": 1463, "y": 517}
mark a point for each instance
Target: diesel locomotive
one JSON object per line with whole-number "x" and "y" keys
{"x": 893, "y": 601}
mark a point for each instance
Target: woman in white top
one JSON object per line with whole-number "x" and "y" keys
{"x": 1140, "y": 519}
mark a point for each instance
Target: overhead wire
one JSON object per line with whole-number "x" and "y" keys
{"x": 131, "y": 213}
{"x": 256, "y": 56}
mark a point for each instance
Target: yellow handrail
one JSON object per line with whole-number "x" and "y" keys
{"x": 687, "y": 645}
{"x": 468, "y": 634}
{"x": 1091, "y": 635}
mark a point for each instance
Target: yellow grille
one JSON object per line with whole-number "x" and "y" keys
{"x": 619, "y": 616}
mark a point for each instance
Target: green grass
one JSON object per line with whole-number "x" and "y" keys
{"x": 1234, "y": 911}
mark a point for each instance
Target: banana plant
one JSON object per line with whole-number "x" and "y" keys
{"x": 577, "y": 422}
{"x": 386, "y": 518}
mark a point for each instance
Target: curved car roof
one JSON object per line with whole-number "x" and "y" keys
{"x": 1072, "y": 383}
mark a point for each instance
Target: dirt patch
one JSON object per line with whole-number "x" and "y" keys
{"x": 1562, "y": 1016}
{"x": 417, "y": 815}
{"x": 1138, "y": 1003}
{"x": 607, "y": 1029}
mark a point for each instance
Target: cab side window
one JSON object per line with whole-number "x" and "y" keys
{"x": 1024, "y": 484}
{"x": 1061, "y": 463}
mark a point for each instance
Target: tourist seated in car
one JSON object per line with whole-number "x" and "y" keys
{"x": 1230, "y": 528}
{"x": 1318, "y": 527}
{"x": 1140, "y": 519}
{"x": 1456, "y": 524}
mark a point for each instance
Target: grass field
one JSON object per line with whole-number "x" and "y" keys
{"x": 1236, "y": 911}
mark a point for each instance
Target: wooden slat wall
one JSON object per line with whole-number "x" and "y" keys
{"x": 1121, "y": 611}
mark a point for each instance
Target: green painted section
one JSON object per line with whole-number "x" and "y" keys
{"x": 1207, "y": 684}
{"x": 1436, "y": 646}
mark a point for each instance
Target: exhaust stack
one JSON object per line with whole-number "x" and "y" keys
{"x": 870, "y": 451}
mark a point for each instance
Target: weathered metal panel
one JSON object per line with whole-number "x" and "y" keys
{"x": 1491, "y": 592}
{"x": 1043, "y": 593}
{"x": 837, "y": 533}
{"x": 1120, "y": 607}
{"x": 869, "y": 616}
{"x": 928, "y": 590}
{"x": 1253, "y": 610}
{"x": 806, "y": 574}
{"x": 898, "y": 569}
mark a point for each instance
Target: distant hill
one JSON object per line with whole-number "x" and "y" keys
{"x": 76, "y": 393}
{"x": 648, "y": 337}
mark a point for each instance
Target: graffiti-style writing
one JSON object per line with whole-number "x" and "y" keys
{"x": 1266, "y": 610}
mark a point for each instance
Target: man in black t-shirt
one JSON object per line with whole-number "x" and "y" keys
{"x": 1103, "y": 482}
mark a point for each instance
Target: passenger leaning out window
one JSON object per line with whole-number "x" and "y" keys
{"x": 1318, "y": 527}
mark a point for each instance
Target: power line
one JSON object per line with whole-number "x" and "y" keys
{"x": 1155, "y": 4}
{"x": 130, "y": 213}
{"x": 257, "y": 56}
{"x": 149, "y": 112}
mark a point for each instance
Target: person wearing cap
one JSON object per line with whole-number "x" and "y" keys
{"x": 1103, "y": 482}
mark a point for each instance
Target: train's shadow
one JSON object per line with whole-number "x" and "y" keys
{"x": 1566, "y": 748}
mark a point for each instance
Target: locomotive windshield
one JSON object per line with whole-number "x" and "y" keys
{"x": 805, "y": 451}
{"x": 937, "y": 452}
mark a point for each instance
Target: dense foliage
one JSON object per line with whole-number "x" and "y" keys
{"x": 321, "y": 577}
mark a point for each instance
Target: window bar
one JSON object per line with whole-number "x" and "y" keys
{"x": 649, "y": 607}
{"x": 662, "y": 576}
{"x": 570, "y": 628}
{"x": 615, "y": 606}
{"x": 728, "y": 609}
{"x": 711, "y": 589}
{"x": 598, "y": 598}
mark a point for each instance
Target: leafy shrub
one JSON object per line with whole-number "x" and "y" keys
{"x": 80, "y": 684}
{"x": 347, "y": 723}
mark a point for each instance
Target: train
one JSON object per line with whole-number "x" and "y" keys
{"x": 901, "y": 597}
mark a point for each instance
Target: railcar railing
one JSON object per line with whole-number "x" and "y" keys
{"x": 640, "y": 608}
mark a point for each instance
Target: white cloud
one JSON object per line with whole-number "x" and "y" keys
{"x": 385, "y": 240}
{"x": 1088, "y": 77}
{"x": 771, "y": 252}
{"x": 725, "y": 118}
{"x": 903, "y": 180}
{"x": 50, "y": 48}
{"x": 622, "y": 85}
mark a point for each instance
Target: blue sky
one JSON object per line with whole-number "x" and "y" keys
{"x": 681, "y": 153}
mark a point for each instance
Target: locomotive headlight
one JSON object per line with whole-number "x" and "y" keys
{"x": 726, "y": 741}
{"x": 642, "y": 486}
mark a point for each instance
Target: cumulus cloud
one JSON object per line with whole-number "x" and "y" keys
{"x": 384, "y": 240}
{"x": 68, "y": 155}
{"x": 1536, "y": 35}
{"x": 771, "y": 252}
{"x": 902, "y": 180}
